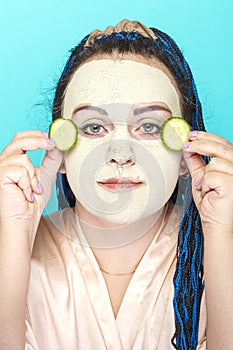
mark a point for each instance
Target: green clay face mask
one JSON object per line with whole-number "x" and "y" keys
{"x": 120, "y": 170}
{"x": 106, "y": 81}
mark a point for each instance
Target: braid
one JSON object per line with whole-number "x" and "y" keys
{"x": 188, "y": 277}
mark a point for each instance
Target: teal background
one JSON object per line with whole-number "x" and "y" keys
{"x": 36, "y": 37}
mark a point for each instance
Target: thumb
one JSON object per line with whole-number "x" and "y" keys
{"x": 195, "y": 164}
{"x": 48, "y": 170}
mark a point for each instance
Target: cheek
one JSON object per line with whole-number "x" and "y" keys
{"x": 161, "y": 167}
{"x": 74, "y": 159}
{"x": 82, "y": 162}
{"x": 80, "y": 152}
{"x": 168, "y": 161}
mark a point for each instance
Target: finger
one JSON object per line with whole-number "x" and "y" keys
{"x": 48, "y": 170}
{"x": 199, "y": 135}
{"x": 220, "y": 165}
{"x": 30, "y": 133}
{"x": 195, "y": 164}
{"x": 210, "y": 148}
{"x": 51, "y": 162}
{"x": 24, "y": 161}
{"x": 214, "y": 199}
{"x": 19, "y": 176}
{"x": 21, "y": 145}
{"x": 217, "y": 182}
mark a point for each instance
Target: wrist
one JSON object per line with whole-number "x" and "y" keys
{"x": 17, "y": 235}
{"x": 217, "y": 228}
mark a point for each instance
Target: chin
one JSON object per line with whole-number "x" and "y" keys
{"x": 124, "y": 217}
{"x": 120, "y": 220}
{"x": 127, "y": 216}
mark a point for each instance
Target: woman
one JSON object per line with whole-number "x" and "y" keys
{"x": 102, "y": 268}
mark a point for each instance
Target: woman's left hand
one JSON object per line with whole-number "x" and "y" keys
{"x": 212, "y": 184}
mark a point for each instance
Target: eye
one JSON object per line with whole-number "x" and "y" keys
{"x": 93, "y": 130}
{"x": 149, "y": 130}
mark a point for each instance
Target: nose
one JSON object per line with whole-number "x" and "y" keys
{"x": 121, "y": 155}
{"x": 121, "y": 161}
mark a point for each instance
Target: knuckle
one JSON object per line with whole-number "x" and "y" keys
{"x": 213, "y": 163}
{"x": 26, "y": 159}
{"x": 226, "y": 143}
{"x": 225, "y": 148}
{"x": 23, "y": 170}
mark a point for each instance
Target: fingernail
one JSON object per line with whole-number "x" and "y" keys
{"x": 198, "y": 183}
{"x": 40, "y": 187}
{"x": 50, "y": 142}
{"x": 186, "y": 144}
{"x": 193, "y": 133}
{"x": 46, "y": 134}
{"x": 32, "y": 197}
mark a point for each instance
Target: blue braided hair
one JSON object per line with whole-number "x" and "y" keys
{"x": 188, "y": 282}
{"x": 188, "y": 277}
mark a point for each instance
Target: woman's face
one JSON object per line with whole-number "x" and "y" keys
{"x": 120, "y": 170}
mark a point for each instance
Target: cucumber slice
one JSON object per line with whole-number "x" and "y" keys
{"x": 174, "y": 132}
{"x": 64, "y": 132}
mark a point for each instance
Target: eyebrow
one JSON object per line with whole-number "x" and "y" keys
{"x": 90, "y": 108}
{"x": 145, "y": 109}
{"x": 137, "y": 111}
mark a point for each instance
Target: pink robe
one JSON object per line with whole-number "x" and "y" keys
{"x": 68, "y": 304}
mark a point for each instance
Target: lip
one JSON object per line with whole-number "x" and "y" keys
{"x": 120, "y": 184}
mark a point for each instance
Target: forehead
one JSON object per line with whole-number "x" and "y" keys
{"x": 107, "y": 81}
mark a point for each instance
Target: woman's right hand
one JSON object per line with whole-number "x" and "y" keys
{"x": 24, "y": 188}
{"x": 21, "y": 204}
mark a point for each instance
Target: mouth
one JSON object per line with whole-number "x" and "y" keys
{"x": 120, "y": 184}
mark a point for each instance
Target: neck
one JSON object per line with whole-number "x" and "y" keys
{"x": 119, "y": 249}
{"x": 107, "y": 235}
